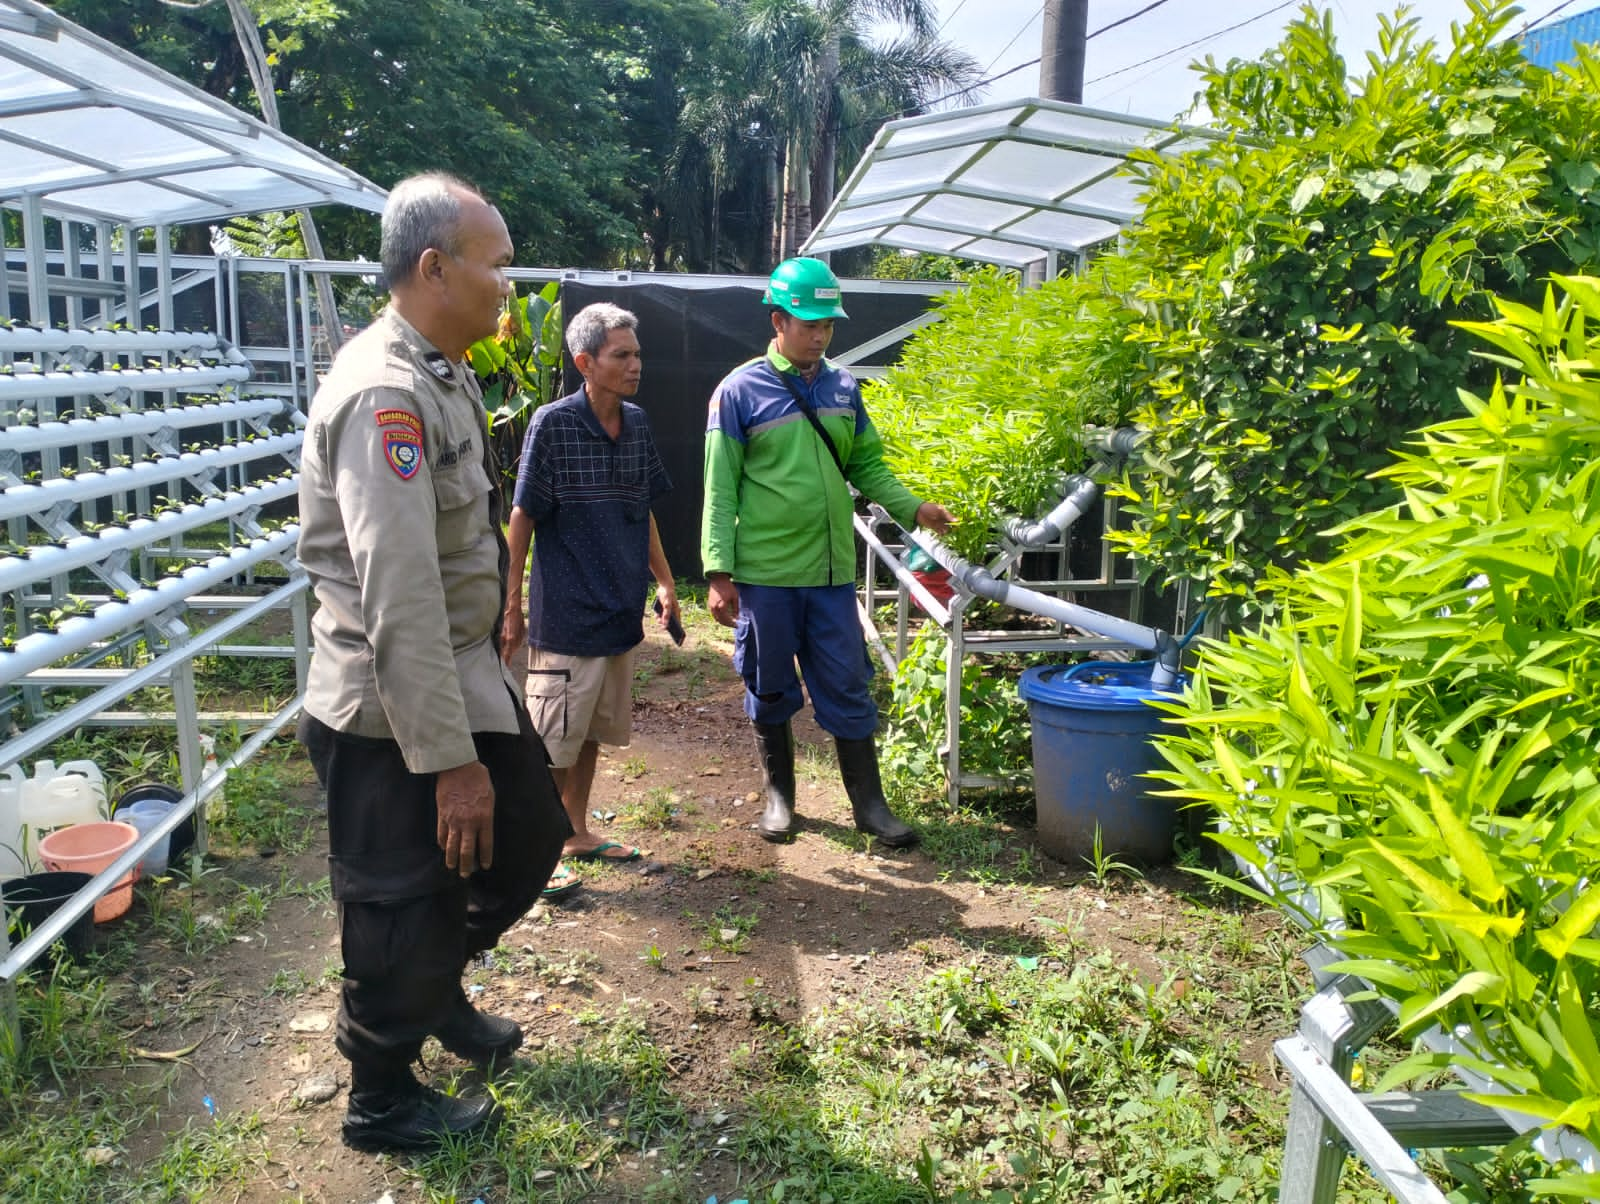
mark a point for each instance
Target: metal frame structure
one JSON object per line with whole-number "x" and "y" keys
{"x": 150, "y": 536}
{"x": 1010, "y": 183}
{"x": 90, "y": 132}
{"x": 886, "y": 551}
{"x": 196, "y": 509}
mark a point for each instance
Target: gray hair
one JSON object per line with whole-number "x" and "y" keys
{"x": 422, "y": 212}
{"x": 588, "y": 331}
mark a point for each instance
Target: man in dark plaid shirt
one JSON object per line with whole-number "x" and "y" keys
{"x": 589, "y": 472}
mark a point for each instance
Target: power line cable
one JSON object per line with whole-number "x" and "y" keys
{"x": 1027, "y": 25}
{"x": 1124, "y": 20}
{"x": 953, "y": 14}
{"x": 1537, "y": 21}
{"x": 1156, "y": 58}
{"x": 1033, "y": 62}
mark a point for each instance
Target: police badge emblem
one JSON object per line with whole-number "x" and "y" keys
{"x": 403, "y": 449}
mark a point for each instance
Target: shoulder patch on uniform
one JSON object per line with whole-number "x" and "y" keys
{"x": 399, "y": 418}
{"x": 402, "y": 447}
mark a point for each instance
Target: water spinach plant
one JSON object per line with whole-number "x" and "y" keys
{"x": 1408, "y": 747}
{"x": 986, "y": 409}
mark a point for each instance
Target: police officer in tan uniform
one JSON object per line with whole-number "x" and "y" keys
{"x": 443, "y": 820}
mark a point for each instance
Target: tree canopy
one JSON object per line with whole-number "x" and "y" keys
{"x": 611, "y": 133}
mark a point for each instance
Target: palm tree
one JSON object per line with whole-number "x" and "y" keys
{"x": 826, "y": 85}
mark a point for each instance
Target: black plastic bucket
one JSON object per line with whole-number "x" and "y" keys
{"x": 33, "y": 898}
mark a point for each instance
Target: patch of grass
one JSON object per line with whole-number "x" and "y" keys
{"x": 257, "y": 809}
{"x": 1070, "y": 1080}
{"x": 574, "y": 1113}
{"x": 656, "y": 810}
{"x": 729, "y": 930}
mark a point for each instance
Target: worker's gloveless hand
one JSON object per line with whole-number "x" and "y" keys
{"x": 465, "y": 799}
{"x": 722, "y": 596}
{"x": 935, "y": 517}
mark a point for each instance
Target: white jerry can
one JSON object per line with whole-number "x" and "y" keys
{"x": 11, "y": 842}
{"x": 56, "y": 797}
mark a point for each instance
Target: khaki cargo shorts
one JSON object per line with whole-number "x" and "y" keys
{"x": 576, "y": 698}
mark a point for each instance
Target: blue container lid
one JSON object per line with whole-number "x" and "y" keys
{"x": 1095, "y": 685}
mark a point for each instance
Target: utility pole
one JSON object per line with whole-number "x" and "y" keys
{"x": 1066, "y": 30}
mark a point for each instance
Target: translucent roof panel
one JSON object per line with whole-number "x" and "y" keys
{"x": 97, "y": 134}
{"x": 1005, "y": 183}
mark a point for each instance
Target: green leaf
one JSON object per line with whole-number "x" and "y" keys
{"x": 1487, "y": 988}
{"x": 1309, "y": 190}
{"x": 1464, "y": 847}
{"x": 1578, "y": 921}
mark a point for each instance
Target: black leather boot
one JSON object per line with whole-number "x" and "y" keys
{"x": 477, "y": 1036}
{"x": 775, "y": 744}
{"x": 858, "y": 766}
{"x": 399, "y": 1113}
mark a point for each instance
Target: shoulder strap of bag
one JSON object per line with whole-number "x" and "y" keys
{"x": 816, "y": 423}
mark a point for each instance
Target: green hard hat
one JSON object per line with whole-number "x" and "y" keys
{"x": 807, "y": 288}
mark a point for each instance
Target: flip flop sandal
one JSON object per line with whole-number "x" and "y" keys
{"x": 562, "y": 883}
{"x": 602, "y": 852}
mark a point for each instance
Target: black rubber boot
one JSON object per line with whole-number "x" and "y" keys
{"x": 858, "y": 766}
{"x": 477, "y": 1036}
{"x": 775, "y": 744}
{"x": 401, "y": 1114}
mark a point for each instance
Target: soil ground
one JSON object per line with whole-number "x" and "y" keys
{"x": 829, "y": 920}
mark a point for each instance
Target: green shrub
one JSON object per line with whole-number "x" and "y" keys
{"x": 1301, "y": 278}
{"x": 994, "y": 719}
{"x": 987, "y": 407}
{"x": 1413, "y": 737}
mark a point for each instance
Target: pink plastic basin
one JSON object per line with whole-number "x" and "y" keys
{"x": 88, "y": 849}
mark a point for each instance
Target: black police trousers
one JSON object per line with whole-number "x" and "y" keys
{"x": 408, "y": 925}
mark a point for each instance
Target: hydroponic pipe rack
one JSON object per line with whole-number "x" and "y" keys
{"x": 121, "y": 537}
{"x": 1075, "y": 628}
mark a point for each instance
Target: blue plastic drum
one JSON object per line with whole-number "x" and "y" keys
{"x": 1092, "y": 724}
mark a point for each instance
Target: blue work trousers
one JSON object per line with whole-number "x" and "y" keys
{"x": 818, "y": 627}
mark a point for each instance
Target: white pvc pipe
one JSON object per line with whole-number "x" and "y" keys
{"x": 75, "y": 431}
{"x": 46, "y": 648}
{"x": 23, "y": 340}
{"x": 19, "y": 500}
{"x": 17, "y": 572}
{"x": 986, "y": 585}
{"x": 26, "y": 386}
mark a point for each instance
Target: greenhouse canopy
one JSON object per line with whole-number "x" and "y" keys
{"x": 95, "y": 134}
{"x": 1007, "y": 183}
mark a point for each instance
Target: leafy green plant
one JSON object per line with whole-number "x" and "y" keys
{"x": 994, "y": 720}
{"x": 519, "y": 366}
{"x": 1104, "y": 867}
{"x": 1300, "y": 278}
{"x": 986, "y": 408}
{"x": 1409, "y": 747}
{"x": 656, "y": 810}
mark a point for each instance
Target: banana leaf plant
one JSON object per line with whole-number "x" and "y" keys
{"x": 519, "y": 367}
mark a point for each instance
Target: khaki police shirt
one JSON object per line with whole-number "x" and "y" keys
{"x": 403, "y": 548}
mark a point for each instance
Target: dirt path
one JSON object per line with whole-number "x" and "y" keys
{"x": 711, "y": 935}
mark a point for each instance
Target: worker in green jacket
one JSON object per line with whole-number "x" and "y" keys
{"x": 787, "y": 438}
